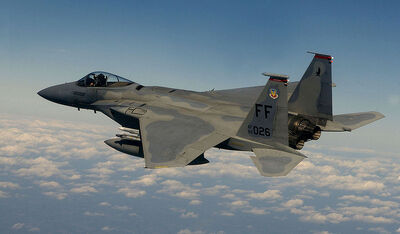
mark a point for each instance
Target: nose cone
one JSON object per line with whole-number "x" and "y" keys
{"x": 61, "y": 94}
{"x": 50, "y": 94}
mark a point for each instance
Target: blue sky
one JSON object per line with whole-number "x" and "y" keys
{"x": 198, "y": 46}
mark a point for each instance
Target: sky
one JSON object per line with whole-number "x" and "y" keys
{"x": 57, "y": 175}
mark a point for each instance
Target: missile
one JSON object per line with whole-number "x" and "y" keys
{"x": 130, "y": 130}
{"x": 128, "y": 137}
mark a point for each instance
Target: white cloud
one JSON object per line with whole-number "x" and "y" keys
{"x": 268, "y": 194}
{"x": 83, "y": 189}
{"x": 49, "y": 184}
{"x": 8, "y": 185}
{"x": 187, "y": 231}
{"x": 18, "y": 226}
{"x": 100, "y": 171}
{"x": 107, "y": 228}
{"x": 178, "y": 189}
{"x": 309, "y": 214}
{"x": 195, "y": 202}
{"x": 34, "y": 229}
{"x": 43, "y": 152}
{"x": 122, "y": 208}
{"x": 41, "y": 167}
{"x": 146, "y": 180}
{"x": 372, "y": 219}
{"x": 7, "y": 161}
{"x": 256, "y": 211}
{"x": 3, "y": 194}
{"x": 104, "y": 204}
{"x": 293, "y": 203}
{"x": 189, "y": 215}
{"x": 239, "y": 204}
{"x": 57, "y": 195}
{"x": 88, "y": 213}
{"x": 227, "y": 213}
{"x": 229, "y": 196}
{"x": 131, "y": 192}
{"x": 214, "y": 190}
{"x": 380, "y": 230}
{"x": 368, "y": 199}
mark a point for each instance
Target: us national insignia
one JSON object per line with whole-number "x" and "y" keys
{"x": 273, "y": 93}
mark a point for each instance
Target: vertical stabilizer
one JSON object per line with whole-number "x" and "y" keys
{"x": 267, "y": 120}
{"x": 313, "y": 95}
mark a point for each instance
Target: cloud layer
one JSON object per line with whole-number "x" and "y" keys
{"x": 64, "y": 162}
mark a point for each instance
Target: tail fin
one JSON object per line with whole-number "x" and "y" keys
{"x": 267, "y": 121}
{"x": 313, "y": 95}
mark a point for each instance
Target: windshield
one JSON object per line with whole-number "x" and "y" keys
{"x": 103, "y": 79}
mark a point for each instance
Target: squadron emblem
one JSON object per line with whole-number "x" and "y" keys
{"x": 273, "y": 93}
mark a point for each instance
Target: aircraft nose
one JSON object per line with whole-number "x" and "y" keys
{"x": 47, "y": 93}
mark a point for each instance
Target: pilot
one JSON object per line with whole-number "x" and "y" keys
{"x": 101, "y": 80}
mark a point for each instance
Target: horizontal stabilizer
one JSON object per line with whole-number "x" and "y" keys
{"x": 278, "y": 161}
{"x": 348, "y": 122}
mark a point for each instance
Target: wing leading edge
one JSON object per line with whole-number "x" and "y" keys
{"x": 349, "y": 122}
{"x": 174, "y": 139}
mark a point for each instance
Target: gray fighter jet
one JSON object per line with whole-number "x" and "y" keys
{"x": 173, "y": 128}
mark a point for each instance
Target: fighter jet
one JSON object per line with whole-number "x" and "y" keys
{"x": 171, "y": 127}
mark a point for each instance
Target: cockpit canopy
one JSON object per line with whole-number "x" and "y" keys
{"x": 103, "y": 79}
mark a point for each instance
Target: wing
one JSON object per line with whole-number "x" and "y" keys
{"x": 348, "y": 122}
{"x": 172, "y": 137}
{"x": 278, "y": 160}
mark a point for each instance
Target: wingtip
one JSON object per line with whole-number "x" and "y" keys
{"x": 379, "y": 115}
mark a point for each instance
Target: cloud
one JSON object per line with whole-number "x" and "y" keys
{"x": 18, "y": 226}
{"x": 122, "y": 208}
{"x": 329, "y": 187}
{"x": 49, "y": 184}
{"x": 195, "y": 202}
{"x": 83, "y": 189}
{"x": 268, "y": 194}
{"x": 3, "y": 194}
{"x": 368, "y": 199}
{"x": 380, "y": 230}
{"x": 189, "y": 215}
{"x": 178, "y": 189}
{"x": 256, "y": 211}
{"x": 217, "y": 189}
{"x": 309, "y": 214}
{"x": 88, "y": 213}
{"x": 131, "y": 192}
{"x": 107, "y": 228}
{"x": 40, "y": 167}
{"x": 104, "y": 204}
{"x": 146, "y": 180}
{"x": 372, "y": 219}
{"x": 293, "y": 203}
{"x": 34, "y": 229}
{"x": 239, "y": 204}
{"x": 57, "y": 195}
{"x": 187, "y": 231}
{"x": 227, "y": 213}
{"x": 8, "y": 185}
